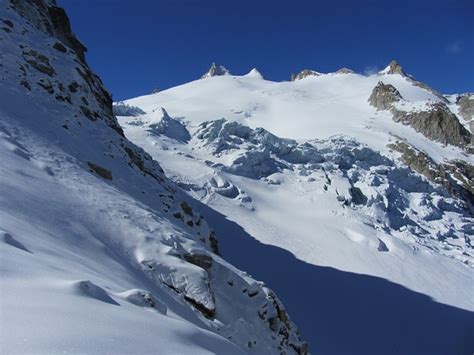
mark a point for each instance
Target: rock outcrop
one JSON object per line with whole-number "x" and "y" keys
{"x": 215, "y": 70}
{"x": 304, "y": 74}
{"x": 393, "y": 68}
{"x": 456, "y": 176}
{"x": 383, "y": 96}
{"x": 465, "y": 103}
{"x": 436, "y": 122}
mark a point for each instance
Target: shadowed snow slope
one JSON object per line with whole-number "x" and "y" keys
{"x": 100, "y": 253}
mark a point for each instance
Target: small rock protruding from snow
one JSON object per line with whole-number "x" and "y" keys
{"x": 87, "y": 288}
{"x": 7, "y": 238}
{"x": 393, "y": 68}
{"x": 382, "y": 246}
{"x": 215, "y": 70}
{"x": 304, "y": 74}
{"x": 143, "y": 298}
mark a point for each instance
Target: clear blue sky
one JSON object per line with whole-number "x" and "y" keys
{"x": 137, "y": 45}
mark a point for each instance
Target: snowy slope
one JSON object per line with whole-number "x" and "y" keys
{"x": 331, "y": 204}
{"x": 100, "y": 253}
{"x": 315, "y": 107}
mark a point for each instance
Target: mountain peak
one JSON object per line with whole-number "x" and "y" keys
{"x": 303, "y": 74}
{"x": 393, "y": 68}
{"x": 215, "y": 70}
{"x": 344, "y": 70}
{"x": 254, "y": 73}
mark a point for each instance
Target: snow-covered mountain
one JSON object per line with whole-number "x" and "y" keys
{"x": 100, "y": 252}
{"x": 351, "y": 195}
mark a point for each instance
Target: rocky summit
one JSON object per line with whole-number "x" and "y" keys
{"x": 215, "y": 70}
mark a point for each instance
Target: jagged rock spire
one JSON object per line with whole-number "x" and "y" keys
{"x": 383, "y": 96}
{"x": 215, "y": 70}
{"x": 393, "y": 68}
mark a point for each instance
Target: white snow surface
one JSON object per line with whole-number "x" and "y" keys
{"x": 100, "y": 253}
{"x": 291, "y": 201}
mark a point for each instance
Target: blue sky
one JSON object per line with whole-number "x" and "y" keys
{"x": 138, "y": 45}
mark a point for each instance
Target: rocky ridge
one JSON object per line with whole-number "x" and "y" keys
{"x": 43, "y": 60}
{"x": 435, "y": 121}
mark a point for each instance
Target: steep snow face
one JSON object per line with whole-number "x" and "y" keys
{"x": 97, "y": 246}
{"x": 323, "y": 180}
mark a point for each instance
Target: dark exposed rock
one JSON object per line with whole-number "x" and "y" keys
{"x": 186, "y": 208}
{"x": 88, "y": 113}
{"x": 26, "y": 84}
{"x": 207, "y": 312}
{"x": 62, "y": 30}
{"x": 281, "y": 323}
{"x": 215, "y": 70}
{"x": 73, "y": 87}
{"x": 143, "y": 161}
{"x": 384, "y": 95}
{"x": 214, "y": 243}
{"x": 395, "y": 68}
{"x": 46, "y": 85}
{"x": 59, "y": 47}
{"x": 50, "y": 19}
{"x": 39, "y": 61}
{"x": 304, "y": 74}
{"x": 8, "y": 23}
{"x": 102, "y": 172}
{"x": 382, "y": 246}
{"x": 466, "y": 106}
{"x": 358, "y": 198}
{"x": 201, "y": 260}
{"x": 437, "y": 123}
{"x": 456, "y": 176}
